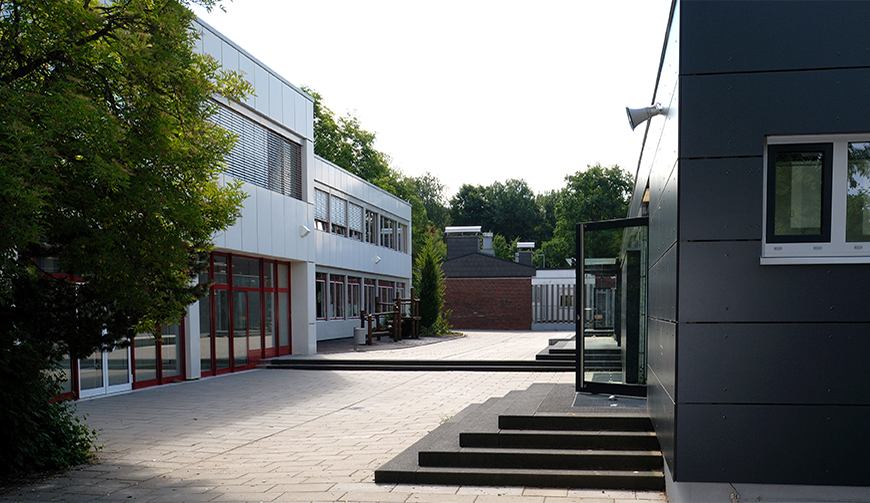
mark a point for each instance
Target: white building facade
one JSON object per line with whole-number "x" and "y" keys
{"x": 314, "y": 246}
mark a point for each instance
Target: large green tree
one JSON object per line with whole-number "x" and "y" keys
{"x": 596, "y": 193}
{"x": 108, "y": 174}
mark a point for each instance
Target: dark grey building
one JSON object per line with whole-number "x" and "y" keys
{"x": 758, "y": 187}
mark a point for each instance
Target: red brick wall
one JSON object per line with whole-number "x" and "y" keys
{"x": 489, "y": 303}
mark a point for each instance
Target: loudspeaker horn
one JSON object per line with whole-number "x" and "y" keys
{"x": 636, "y": 116}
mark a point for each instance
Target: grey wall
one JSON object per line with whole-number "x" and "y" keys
{"x": 769, "y": 361}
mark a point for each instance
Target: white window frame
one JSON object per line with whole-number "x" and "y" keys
{"x": 837, "y": 250}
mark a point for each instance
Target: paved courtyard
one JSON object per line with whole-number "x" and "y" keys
{"x": 296, "y": 435}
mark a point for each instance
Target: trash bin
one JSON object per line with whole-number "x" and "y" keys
{"x": 359, "y": 336}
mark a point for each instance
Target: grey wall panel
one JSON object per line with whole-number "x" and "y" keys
{"x": 661, "y": 348}
{"x": 773, "y": 444}
{"x": 725, "y": 36}
{"x": 774, "y": 363}
{"x": 721, "y": 199}
{"x": 662, "y": 287}
{"x": 723, "y": 282}
{"x": 663, "y": 214}
{"x": 729, "y": 115}
{"x": 661, "y": 412}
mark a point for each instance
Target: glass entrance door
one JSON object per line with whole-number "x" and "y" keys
{"x": 105, "y": 372}
{"x": 611, "y": 328}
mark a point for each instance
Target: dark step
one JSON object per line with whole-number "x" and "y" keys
{"x": 418, "y": 365}
{"x": 526, "y": 439}
{"x": 579, "y": 479}
{"x": 602, "y": 422}
{"x": 549, "y": 459}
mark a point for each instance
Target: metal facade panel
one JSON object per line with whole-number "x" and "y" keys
{"x": 664, "y": 217}
{"x": 725, "y": 36}
{"x": 663, "y": 287}
{"x": 721, "y": 199}
{"x": 723, "y": 282}
{"x": 812, "y": 363}
{"x": 661, "y": 347}
{"x": 729, "y": 115}
{"x": 661, "y": 411}
{"x": 773, "y": 444}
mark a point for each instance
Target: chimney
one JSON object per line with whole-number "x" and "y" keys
{"x": 525, "y": 251}
{"x": 487, "y": 244}
{"x": 462, "y": 240}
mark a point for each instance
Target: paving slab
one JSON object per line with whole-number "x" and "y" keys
{"x": 293, "y": 435}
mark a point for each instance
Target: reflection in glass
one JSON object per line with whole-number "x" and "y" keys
{"x": 246, "y": 272}
{"x": 170, "y": 350}
{"x": 145, "y": 350}
{"x": 254, "y": 343}
{"x": 91, "y": 371}
{"x": 65, "y": 370}
{"x": 205, "y": 334}
{"x": 220, "y": 270}
{"x": 858, "y": 193}
{"x": 269, "y": 327}
{"x": 282, "y": 276}
{"x": 798, "y": 193}
{"x": 240, "y": 328}
{"x": 222, "y": 329}
{"x": 119, "y": 366}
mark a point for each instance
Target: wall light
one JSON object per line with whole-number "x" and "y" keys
{"x": 304, "y": 230}
{"x": 636, "y": 116}
{"x": 377, "y": 259}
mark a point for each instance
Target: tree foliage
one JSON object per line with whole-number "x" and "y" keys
{"x": 429, "y": 284}
{"x": 108, "y": 169}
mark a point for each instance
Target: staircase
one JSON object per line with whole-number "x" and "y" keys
{"x": 526, "y": 439}
{"x": 595, "y": 359}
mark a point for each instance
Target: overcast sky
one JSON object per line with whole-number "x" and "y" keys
{"x": 471, "y": 91}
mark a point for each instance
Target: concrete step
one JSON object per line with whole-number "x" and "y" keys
{"x": 595, "y": 422}
{"x": 554, "y": 439}
{"x": 543, "y": 459}
{"x": 418, "y": 365}
{"x": 578, "y": 479}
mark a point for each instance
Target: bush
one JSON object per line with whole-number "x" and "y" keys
{"x": 429, "y": 285}
{"x": 39, "y": 433}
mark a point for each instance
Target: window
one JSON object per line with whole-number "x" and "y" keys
{"x": 355, "y": 221}
{"x": 369, "y": 290}
{"x": 336, "y": 297}
{"x": 817, "y": 200}
{"x": 401, "y": 238}
{"x": 320, "y": 295}
{"x": 385, "y": 296}
{"x": 371, "y": 227}
{"x": 388, "y": 238}
{"x": 321, "y": 210}
{"x": 338, "y": 213}
{"x": 353, "y": 297}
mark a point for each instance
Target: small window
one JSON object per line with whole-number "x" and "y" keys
{"x": 371, "y": 227}
{"x": 320, "y": 293}
{"x": 799, "y": 193}
{"x": 355, "y": 221}
{"x": 336, "y": 297}
{"x": 338, "y": 214}
{"x": 817, "y": 200}
{"x": 321, "y": 210}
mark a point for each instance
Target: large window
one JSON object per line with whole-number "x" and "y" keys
{"x": 817, "y": 200}
{"x": 336, "y": 297}
{"x": 371, "y": 227}
{"x": 338, "y": 213}
{"x": 388, "y": 237}
{"x": 353, "y": 297}
{"x": 355, "y": 221}
{"x": 321, "y": 210}
{"x": 320, "y": 295}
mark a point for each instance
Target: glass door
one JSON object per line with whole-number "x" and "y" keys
{"x": 105, "y": 372}
{"x": 611, "y": 328}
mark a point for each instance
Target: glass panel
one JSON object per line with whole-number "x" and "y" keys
{"x": 246, "y": 272}
{"x": 91, "y": 371}
{"x": 222, "y": 329}
{"x": 798, "y": 193}
{"x": 268, "y": 274}
{"x": 320, "y": 293}
{"x": 254, "y": 313}
{"x": 284, "y": 318}
{"x": 170, "y": 350}
{"x": 145, "y": 351}
{"x": 205, "y": 359}
{"x": 240, "y": 328}
{"x": 220, "y": 270}
{"x": 269, "y": 326}
{"x": 118, "y": 363}
{"x": 858, "y": 194}
{"x": 65, "y": 370}
{"x": 282, "y": 276}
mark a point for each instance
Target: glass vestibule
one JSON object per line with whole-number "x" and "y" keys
{"x": 611, "y": 332}
{"x": 246, "y": 316}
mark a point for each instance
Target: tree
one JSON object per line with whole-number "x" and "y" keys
{"x": 429, "y": 285}
{"x": 514, "y": 212}
{"x": 470, "y": 207}
{"x": 108, "y": 170}
{"x": 430, "y": 190}
{"x": 596, "y": 193}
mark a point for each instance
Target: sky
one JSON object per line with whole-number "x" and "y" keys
{"x": 470, "y": 91}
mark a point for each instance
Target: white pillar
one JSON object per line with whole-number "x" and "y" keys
{"x": 304, "y": 336}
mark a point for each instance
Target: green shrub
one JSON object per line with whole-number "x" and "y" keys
{"x": 429, "y": 285}
{"x": 39, "y": 433}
